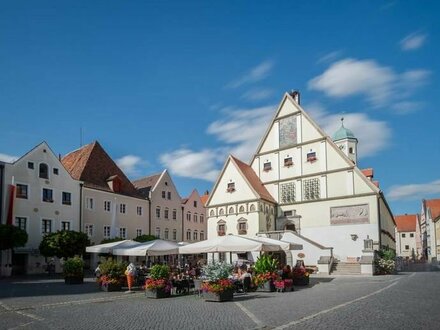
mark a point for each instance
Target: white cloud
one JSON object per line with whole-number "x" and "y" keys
{"x": 256, "y": 74}
{"x": 415, "y": 191}
{"x": 406, "y": 107}
{"x": 130, "y": 164}
{"x": 8, "y": 158}
{"x": 257, "y": 94}
{"x": 329, "y": 57}
{"x": 380, "y": 85}
{"x": 360, "y": 124}
{"x": 413, "y": 41}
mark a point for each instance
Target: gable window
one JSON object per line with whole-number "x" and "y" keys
{"x": 66, "y": 198}
{"x": 20, "y": 222}
{"x": 65, "y": 225}
{"x": 231, "y": 187}
{"x": 163, "y": 194}
{"x": 350, "y": 150}
{"x": 31, "y": 165}
{"x": 166, "y": 212}
{"x": 202, "y": 220}
{"x": 195, "y": 204}
{"x": 287, "y": 192}
{"x": 89, "y": 229}
{"x": 267, "y": 166}
{"x": 44, "y": 171}
{"x": 157, "y": 212}
{"x": 123, "y": 232}
{"x": 122, "y": 208}
{"x": 22, "y": 191}
{"x": 188, "y": 234}
{"x": 138, "y": 232}
{"x": 188, "y": 216}
{"x": 166, "y": 233}
{"x": 89, "y": 203}
{"x": 46, "y": 226}
{"x": 211, "y": 213}
{"x": 174, "y": 214}
{"x": 106, "y": 231}
{"x": 221, "y": 212}
{"x": 242, "y": 226}
{"x": 107, "y": 206}
{"x": 55, "y": 171}
{"x": 231, "y": 210}
{"x": 47, "y": 195}
{"x": 195, "y": 217}
{"x": 311, "y": 156}
{"x": 169, "y": 195}
{"x": 252, "y": 208}
{"x": 139, "y": 210}
{"x": 288, "y": 161}
{"x": 241, "y": 209}
{"x": 202, "y": 235}
{"x": 311, "y": 189}
{"x": 174, "y": 234}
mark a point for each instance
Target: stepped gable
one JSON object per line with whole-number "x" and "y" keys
{"x": 406, "y": 223}
{"x": 92, "y": 165}
{"x": 434, "y": 206}
{"x": 253, "y": 180}
{"x": 144, "y": 185}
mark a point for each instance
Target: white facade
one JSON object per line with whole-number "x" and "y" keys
{"x": 406, "y": 244}
{"x": 47, "y": 200}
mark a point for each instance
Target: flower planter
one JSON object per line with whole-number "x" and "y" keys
{"x": 226, "y": 295}
{"x": 268, "y": 286}
{"x": 301, "y": 280}
{"x": 74, "y": 279}
{"x": 157, "y": 293}
{"x": 111, "y": 287}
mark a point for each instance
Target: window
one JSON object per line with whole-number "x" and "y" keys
{"x": 47, "y": 195}
{"x": 311, "y": 156}
{"x": 241, "y": 209}
{"x": 288, "y": 161}
{"x": 411, "y": 235}
{"x": 287, "y": 192}
{"x": 311, "y": 189}
{"x": 231, "y": 187}
{"x": 20, "y": 222}
{"x": 195, "y": 235}
{"x": 211, "y": 213}
{"x": 288, "y": 213}
{"x": 107, "y": 206}
{"x": 30, "y": 165}
{"x": 163, "y": 194}
{"x": 252, "y": 208}
{"x": 403, "y": 235}
{"x": 406, "y": 247}
{"x": 55, "y": 171}
{"x": 195, "y": 217}
{"x": 202, "y": 235}
{"x": 188, "y": 234}
{"x": 166, "y": 233}
{"x": 157, "y": 232}
{"x": 122, "y": 208}
{"x": 44, "y": 171}
{"x": 123, "y": 233}
{"x": 89, "y": 229}
{"x": 350, "y": 150}
{"x": 202, "y": 220}
{"x": 174, "y": 214}
{"x": 242, "y": 227}
{"x": 188, "y": 216}
{"x": 174, "y": 234}
{"x": 139, "y": 210}
{"x": 89, "y": 203}
{"x": 231, "y": 210}
{"x": 169, "y": 195}
{"x": 221, "y": 212}
{"x": 157, "y": 212}
{"x": 106, "y": 231}
{"x": 221, "y": 229}
{"x": 65, "y": 225}
{"x": 195, "y": 203}
{"x": 46, "y": 226}
{"x": 66, "y": 198}
{"x": 22, "y": 191}
{"x": 138, "y": 232}
{"x": 267, "y": 166}
{"x": 166, "y": 212}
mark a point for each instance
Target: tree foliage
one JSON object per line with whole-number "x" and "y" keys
{"x": 64, "y": 244}
{"x": 11, "y": 237}
{"x": 145, "y": 238}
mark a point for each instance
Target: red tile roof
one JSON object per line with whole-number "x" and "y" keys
{"x": 94, "y": 166}
{"x": 253, "y": 180}
{"x": 144, "y": 185}
{"x": 406, "y": 222}
{"x": 434, "y": 205}
{"x": 204, "y": 199}
{"x": 368, "y": 172}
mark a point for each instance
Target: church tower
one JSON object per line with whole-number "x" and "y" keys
{"x": 346, "y": 141}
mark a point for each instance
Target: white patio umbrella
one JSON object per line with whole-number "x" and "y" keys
{"x": 228, "y": 243}
{"x": 157, "y": 247}
{"x": 108, "y": 247}
{"x": 286, "y": 246}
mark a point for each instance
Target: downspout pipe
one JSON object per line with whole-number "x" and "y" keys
{"x": 80, "y": 205}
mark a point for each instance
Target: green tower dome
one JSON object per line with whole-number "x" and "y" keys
{"x": 343, "y": 133}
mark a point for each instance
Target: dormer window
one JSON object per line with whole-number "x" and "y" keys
{"x": 231, "y": 187}
{"x": 267, "y": 166}
{"x": 350, "y": 150}
{"x": 44, "y": 171}
{"x": 114, "y": 183}
{"x": 311, "y": 156}
{"x": 288, "y": 161}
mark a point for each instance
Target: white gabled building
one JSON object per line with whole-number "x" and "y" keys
{"x": 313, "y": 186}
{"x": 47, "y": 199}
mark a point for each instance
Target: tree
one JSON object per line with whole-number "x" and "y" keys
{"x": 145, "y": 238}
{"x": 64, "y": 244}
{"x": 12, "y": 237}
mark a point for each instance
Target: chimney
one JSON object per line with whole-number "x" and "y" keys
{"x": 296, "y": 96}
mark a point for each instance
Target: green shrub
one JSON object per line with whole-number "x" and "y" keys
{"x": 265, "y": 264}
{"x": 159, "y": 271}
{"x": 73, "y": 267}
{"x": 113, "y": 269}
{"x": 215, "y": 271}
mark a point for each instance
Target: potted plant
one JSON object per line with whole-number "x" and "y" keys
{"x": 112, "y": 275}
{"x": 217, "y": 285}
{"x": 73, "y": 270}
{"x": 265, "y": 273}
{"x": 158, "y": 285}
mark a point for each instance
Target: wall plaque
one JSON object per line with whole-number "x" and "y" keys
{"x": 288, "y": 131}
{"x": 350, "y": 215}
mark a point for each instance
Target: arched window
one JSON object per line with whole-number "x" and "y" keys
{"x": 157, "y": 232}
{"x": 241, "y": 209}
{"x": 158, "y": 212}
{"x": 44, "y": 171}
{"x": 202, "y": 235}
{"x": 166, "y": 233}
{"x": 231, "y": 210}
{"x": 195, "y": 217}
{"x": 188, "y": 216}
{"x": 195, "y": 235}
{"x": 221, "y": 212}
{"x": 211, "y": 213}
{"x": 188, "y": 234}
{"x": 252, "y": 209}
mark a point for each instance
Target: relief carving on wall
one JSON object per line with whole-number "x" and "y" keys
{"x": 350, "y": 215}
{"x": 288, "y": 131}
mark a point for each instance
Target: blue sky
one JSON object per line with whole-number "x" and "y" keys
{"x": 180, "y": 84}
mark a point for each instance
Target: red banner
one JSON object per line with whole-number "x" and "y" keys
{"x": 9, "y": 219}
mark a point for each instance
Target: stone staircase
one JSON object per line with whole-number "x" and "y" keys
{"x": 346, "y": 268}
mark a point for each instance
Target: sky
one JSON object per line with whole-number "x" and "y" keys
{"x": 182, "y": 84}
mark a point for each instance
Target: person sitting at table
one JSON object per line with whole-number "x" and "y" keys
{"x": 246, "y": 279}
